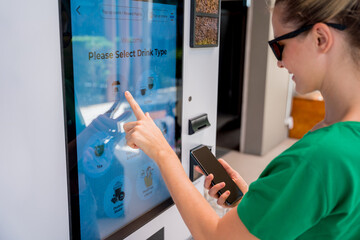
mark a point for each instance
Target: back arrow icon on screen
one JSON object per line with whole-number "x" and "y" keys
{"x": 78, "y": 10}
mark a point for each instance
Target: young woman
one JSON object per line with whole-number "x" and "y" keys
{"x": 312, "y": 190}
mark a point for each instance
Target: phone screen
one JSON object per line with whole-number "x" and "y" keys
{"x": 209, "y": 164}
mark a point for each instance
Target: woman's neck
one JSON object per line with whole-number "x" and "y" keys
{"x": 341, "y": 94}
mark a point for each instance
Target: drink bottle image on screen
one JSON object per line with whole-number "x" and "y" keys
{"x": 104, "y": 173}
{"x": 210, "y": 165}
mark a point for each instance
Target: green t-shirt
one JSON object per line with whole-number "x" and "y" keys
{"x": 310, "y": 191}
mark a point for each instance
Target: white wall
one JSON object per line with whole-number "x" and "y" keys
{"x": 33, "y": 202}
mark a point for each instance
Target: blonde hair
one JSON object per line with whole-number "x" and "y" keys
{"x": 345, "y": 12}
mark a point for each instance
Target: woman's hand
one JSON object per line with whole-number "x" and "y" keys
{"x": 213, "y": 190}
{"x": 144, "y": 133}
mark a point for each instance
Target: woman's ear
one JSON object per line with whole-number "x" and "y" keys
{"x": 323, "y": 37}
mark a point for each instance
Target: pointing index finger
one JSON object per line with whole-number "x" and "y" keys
{"x": 139, "y": 114}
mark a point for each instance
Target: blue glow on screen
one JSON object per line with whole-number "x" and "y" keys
{"x": 119, "y": 46}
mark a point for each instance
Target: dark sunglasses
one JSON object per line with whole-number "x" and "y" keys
{"x": 278, "y": 49}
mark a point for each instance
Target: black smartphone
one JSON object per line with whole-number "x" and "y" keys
{"x": 209, "y": 164}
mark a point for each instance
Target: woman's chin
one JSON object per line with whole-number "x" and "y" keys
{"x": 301, "y": 91}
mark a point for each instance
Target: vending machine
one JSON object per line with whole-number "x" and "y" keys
{"x": 69, "y": 173}
{"x": 110, "y": 47}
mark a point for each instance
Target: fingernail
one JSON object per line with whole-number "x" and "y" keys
{"x": 223, "y": 184}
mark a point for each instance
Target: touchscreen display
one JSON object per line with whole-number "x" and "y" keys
{"x": 110, "y": 47}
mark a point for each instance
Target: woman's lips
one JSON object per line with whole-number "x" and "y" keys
{"x": 292, "y": 77}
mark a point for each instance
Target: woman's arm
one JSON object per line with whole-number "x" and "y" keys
{"x": 197, "y": 213}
